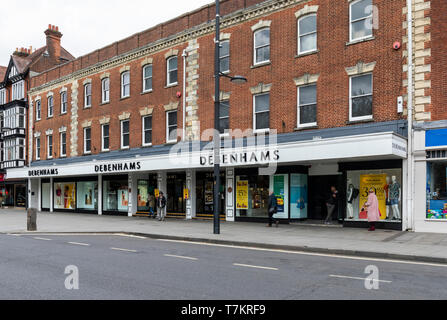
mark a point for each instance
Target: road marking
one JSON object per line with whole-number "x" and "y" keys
{"x": 79, "y": 244}
{"x": 255, "y": 267}
{"x": 13, "y": 235}
{"x": 357, "y": 278}
{"x": 43, "y": 239}
{"x": 180, "y": 257}
{"x": 125, "y": 250}
{"x": 308, "y": 253}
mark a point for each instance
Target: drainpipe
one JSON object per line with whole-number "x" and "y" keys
{"x": 184, "y": 55}
{"x": 410, "y": 162}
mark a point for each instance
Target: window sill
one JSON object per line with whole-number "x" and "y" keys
{"x": 147, "y": 145}
{"x": 48, "y": 118}
{"x": 353, "y": 121}
{"x": 304, "y": 54}
{"x": 360, "y": 40}
{"x": 87, "y": 107}
{"x": 171, "y": 85}
{"x": 125, "y": 148}
{"x": 261, "y": 131}
{"x": 146, "y": 92}
{"x": 261, "y": 64}
{"x": 171, "y": 142}
{"x": 306, "y": 127}
{"x": 63, "y": 114}
{"x": 104, "y": 103}
{"x": 87, "y": 153}
{"x": 124, "y": 98}
{"x": 105, "y": 151}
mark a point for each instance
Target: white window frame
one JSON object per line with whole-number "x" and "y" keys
{"x": 86, "y": 103}
{"x": 225, "y": 134}
{"x": 18, "y": 90}
{"x": 167, "y": 127}
{"x": 104, "y": 91}
{"x": 122, "y": 135}
{"x": 50, "y": 98}
{"x": 103, "y": 136}
{"x": 254, "y": 47}
{"x": 63, "y": 154}
{"x": 145, "y": 78}
{"x": 351, "y": 118}
{"x": 50, "y": 154}
{"x": 168, "y": 83}
{"x": 64, "y": 103}
{"x": 302, "y": 35}
{"x": 144, "y": 131}
{"x": 13, "y": 72}
{"x": 38, "y": 110}
{"x": 226, "y": 56}
{"x": 256, "y": 130}
{"x": 311, "y": 124}
{"x": 2, "y": 96}
{"x": 38, "y": 147}
{"x": 85, "y": 141}
{"x": 123, "y": 85}
{"x": 351, "y": 22}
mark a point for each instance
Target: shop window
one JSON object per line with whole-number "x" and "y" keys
{"x": 65, "y": 195}
{"x": 361, "y": 16}
{"x": 87, "y": 195}
{"x": 116, "y": 195}
{"x": 252, "y": 193}
{"x": 437, "y": 190}
{"x": 205, "y": 193}
{"x": 176, "y": 183}
{"x": 46, "y": 187}
{"x": 146, "y": 194}
{"x": 387, "y": 186}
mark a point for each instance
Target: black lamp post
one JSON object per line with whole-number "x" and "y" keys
{"x": 216, "y": 138}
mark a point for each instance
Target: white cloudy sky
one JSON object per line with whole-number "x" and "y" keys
{"x": 87, "y": 25}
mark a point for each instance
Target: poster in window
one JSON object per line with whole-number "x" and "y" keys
{"x": 242, "y": 195}
{"x": 376, "y": 182}
{"x": 298, "y": 196}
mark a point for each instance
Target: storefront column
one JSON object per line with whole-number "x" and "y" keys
{"x": 39, "y": 195}
{"x": 51, "y": 195}
{"x": 100, "y": 195}
{"x": 33, "y": 193}
{"x": 230, "y": 210}
{"x": 406, "y": 215}
{"x": 133, "y": 194}
{"x": 191, "y": 202}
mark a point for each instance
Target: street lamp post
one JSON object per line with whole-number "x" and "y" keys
{"x": 216, "y": 137}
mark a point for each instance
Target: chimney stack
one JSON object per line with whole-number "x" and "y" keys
{"x": 54, "y": 43}
{"x": 21, "y": 52}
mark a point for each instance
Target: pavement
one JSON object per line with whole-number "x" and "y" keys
{"x": 423, "y": 247}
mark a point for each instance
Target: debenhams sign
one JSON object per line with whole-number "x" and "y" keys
{"x": 241, "y": 158}
{"x": 102, "y": 168}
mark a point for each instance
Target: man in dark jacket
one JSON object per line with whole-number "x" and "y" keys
{"x": 331, "y": 204}
{"x": 161, "y": 205}
{"x": 273, "y": 209}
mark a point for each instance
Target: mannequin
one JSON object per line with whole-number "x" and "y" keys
{"x": 386, "y": 189}
{"x": 395, "y": 197}
{"x": 350, "y": 199}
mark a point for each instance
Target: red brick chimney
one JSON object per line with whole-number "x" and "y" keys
{"x": 53, "y": 42}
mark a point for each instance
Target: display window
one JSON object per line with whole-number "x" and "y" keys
{"x": 205, "y": 192}
{"x": 437, "y": 190}
{"x": 387, "y": 187}
{"x": 87, "y": 195}
{"x": 146, "y": 194}
{"x": 46, "y": 187}
{"x": 176, "y": 184}
{"x": 298, "y": 196}
{"x": 7, "y": 194}
{"x": 65, "y": 195}
{"x": 116, "y": 195}
{"x": 252, "y": 193}
{"x": 20, "y": 195}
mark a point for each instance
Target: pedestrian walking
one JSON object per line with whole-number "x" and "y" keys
{"x": 161, "y": 205}
{"x": 273, "y": 209}
{"x": 152, "y": 207}
{"x": 331, "y": 204}
{"x": 372, "y": 207}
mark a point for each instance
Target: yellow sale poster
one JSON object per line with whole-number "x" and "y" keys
{"x": 242, "y": 195}
{"x": 377, "y": 182}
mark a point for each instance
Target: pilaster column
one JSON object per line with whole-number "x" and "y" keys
{"x": 100, "y": 195}
{"x": 191, "y": 202}
{"x": 230, "y": 210}
{"x": 51, "y": 195}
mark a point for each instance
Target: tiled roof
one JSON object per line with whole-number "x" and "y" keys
{"x": 2, "y": 72}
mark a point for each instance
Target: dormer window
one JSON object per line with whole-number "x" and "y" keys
{"x": 13, "y": 72}
{"x": 18, "y": 90}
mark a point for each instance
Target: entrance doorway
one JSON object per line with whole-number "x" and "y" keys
{"x": 176, "y": 183}
{"x": 319, "y": 193}
{"x": 205, "y": 194}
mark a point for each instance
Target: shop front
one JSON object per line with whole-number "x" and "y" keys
{"x": 176, "y": 202}
{"x": 115, "y": 192}
{"x": 205, "y": 194}
{"x": 13, "y": 194}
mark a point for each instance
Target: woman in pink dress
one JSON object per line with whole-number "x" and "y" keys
{"x": 372, "y": 206}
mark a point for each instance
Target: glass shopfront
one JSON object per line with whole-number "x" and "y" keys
{"x": 205, "y": 193}
{"x": 7, "y": 194}
{"x": 252, "y": 193}
{"x": 87, "y": 195}
{"x": 20, "y": 195}
{"x": 45, "y": 195}
{"x": 64, "y": 195}
{"x": 176, "y": 184}
{"x": 387, "y": 186}
{"x": 437, "y": 190}
{"x": 115, "y": 194}
{"x": 146, "y": 194}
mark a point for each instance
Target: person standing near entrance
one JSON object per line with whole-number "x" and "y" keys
{"x": 372, "y": 206}
{"x": 161, "y": 205}
{"x": 331, "y": 204}
{"x": 273, "y": 209}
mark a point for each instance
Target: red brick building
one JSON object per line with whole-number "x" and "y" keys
{"x": 326, "y": 76}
